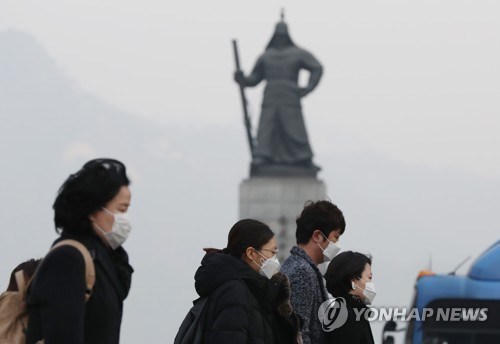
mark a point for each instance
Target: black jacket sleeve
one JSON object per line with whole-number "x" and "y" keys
{"x": 231, "y": 314}
{"x": 60, "y": 288}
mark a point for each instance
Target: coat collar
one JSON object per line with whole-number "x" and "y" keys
{"x": 297, "y": 251}
{"x": 114, "y": 264}
{"x": 300, "y": 253}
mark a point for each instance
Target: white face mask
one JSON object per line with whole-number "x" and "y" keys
{"x": 269, "y": 266}
{"x": 331, "y": 250}
{"x": 369, "y": 291}
{"x": 119, "y": 231}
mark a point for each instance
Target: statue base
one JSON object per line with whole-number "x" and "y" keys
{"x": 277, "y": 201}
{"x": 283, "y": 170}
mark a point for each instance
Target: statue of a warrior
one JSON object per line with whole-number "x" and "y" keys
{"x": 281, "y": 136}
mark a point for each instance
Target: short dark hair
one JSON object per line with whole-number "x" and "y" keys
{"x": 87, "y": 191}
{"x": 322, "y": 215}
{"x": 28, "y": 267}
{"x": 343, "y": 268}
{"x": 247, "y": 233}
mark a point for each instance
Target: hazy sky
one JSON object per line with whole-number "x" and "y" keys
{"x": 404, "y": 123}
{"x": 428, "y": 68}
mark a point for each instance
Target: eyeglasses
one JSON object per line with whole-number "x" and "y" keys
{"x": 276, "y": 251}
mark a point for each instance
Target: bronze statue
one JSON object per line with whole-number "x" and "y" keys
{"x": 282, "y": 145}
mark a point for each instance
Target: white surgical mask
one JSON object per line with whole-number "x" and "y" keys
{"x": 331, "y": 250}
{"x": 119, "y": 231}
{"x": 269, "y": 266}
{"x": 369, "y": 291}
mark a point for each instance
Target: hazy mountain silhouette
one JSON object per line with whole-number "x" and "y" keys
{"x": 50, "y": 126}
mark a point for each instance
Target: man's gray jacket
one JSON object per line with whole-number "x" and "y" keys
{"x": 308, "y": 293}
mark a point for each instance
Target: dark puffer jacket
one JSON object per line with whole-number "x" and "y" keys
{"x": 243, "y": 306}
{"x": 356, "y": 329}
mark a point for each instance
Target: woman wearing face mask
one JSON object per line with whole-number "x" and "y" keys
{"x": 91, "y": 208}
{"x": 248, "y": 299}
{"x": 349, "y": 277}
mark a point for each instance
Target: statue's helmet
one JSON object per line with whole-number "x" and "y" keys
{"x": 281, "y": 34}
{"x": 281, "y": 28}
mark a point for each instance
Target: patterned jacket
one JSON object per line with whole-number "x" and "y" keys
{"x": 308, "y": 293}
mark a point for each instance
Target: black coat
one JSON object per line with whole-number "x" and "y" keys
{"x": 354, "y": 331}
{"x": 56, "y": 301}
{"x": 243, "y": 306}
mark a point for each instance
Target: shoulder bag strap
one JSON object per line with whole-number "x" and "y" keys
{"x": 89, "y": 263}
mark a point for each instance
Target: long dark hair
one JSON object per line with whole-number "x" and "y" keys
{"x": 247, "y": 233}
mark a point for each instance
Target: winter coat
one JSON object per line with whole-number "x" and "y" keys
{"x": 56, "y": 303}
{"x": 354, "y": 331}
{"x": 308, "y": 293}
{"x": 243, "y": 306}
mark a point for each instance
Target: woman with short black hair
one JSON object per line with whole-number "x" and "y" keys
{"x": 349, "y": 281}
{"x": 91, "y": 208}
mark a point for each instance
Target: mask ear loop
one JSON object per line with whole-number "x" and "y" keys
{"x": 354, "y": 286}
{"x": 263, "y": 257}
{"x": 322, "y": 249}
{"x": 99, "y": 228}
{"x": 260, "y": 266}
{"x": 108, "y": 211}
{"x": 324, "y": 236}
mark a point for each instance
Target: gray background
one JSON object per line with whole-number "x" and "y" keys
{"x": 404, "y": 124}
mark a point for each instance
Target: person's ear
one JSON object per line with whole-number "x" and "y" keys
{"x": 92, "y": 216}
{"x": 250, "y": 253}
{"x": 317, "y": 236}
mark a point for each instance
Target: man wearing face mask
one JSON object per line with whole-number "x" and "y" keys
{"x": 349, "y": 276}
{"x": 91, "y": 208}
{"x": 319, "y": 228}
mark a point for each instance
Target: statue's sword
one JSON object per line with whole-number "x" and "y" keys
{"x": 246, "y": 117}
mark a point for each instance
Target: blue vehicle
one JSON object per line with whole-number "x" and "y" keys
{"x": 460, "y": 309}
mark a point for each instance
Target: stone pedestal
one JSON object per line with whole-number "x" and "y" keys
{"x": 277, "y": 201}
